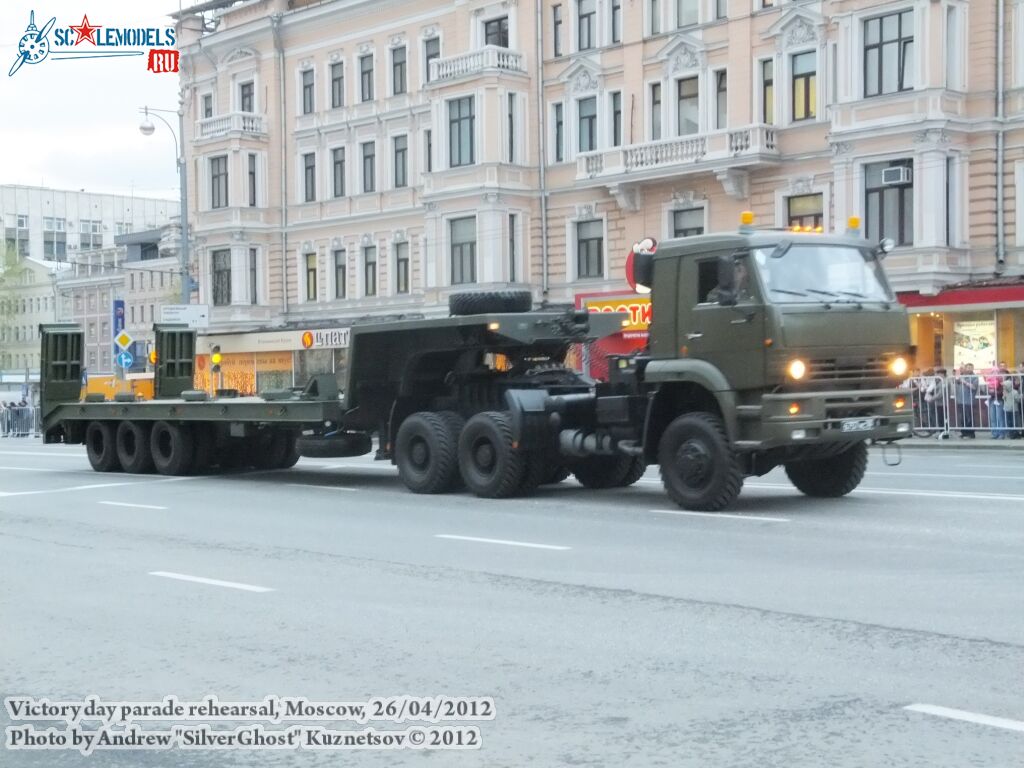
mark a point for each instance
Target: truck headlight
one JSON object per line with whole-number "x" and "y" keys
{"x": 796, "y": 369}
{"x": 898, "y": 366}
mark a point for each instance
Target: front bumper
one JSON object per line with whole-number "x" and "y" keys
{"x": 826, "y": 417}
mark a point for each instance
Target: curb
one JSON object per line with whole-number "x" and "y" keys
{"x": 934, "y": 444}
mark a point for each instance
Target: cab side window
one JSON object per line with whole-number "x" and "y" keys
{"x": 707, "y": 280}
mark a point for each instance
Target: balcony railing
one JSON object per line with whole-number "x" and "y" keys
{"x": 753, "y": 143}
{"x": 490, "y": 58}
{"x": 246, "y": 123}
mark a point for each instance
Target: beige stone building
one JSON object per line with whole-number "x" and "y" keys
{"x": 349, "y": 158}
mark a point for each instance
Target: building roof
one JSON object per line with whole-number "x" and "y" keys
{"x": 145, "y": 237}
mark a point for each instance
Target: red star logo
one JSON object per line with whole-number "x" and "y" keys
{"x": 86, "y": 31}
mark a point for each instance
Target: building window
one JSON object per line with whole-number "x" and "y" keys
{"x": 617, "y": 119}
{"x": 398, "y": 71}
{"x": 428, "y": 139}
{"x": 221, "y": 278}
{"x": 559, "y": 134}
{"x": 366, "y": 77}
{"x": 401, "y": 153}
{"x": 370, "y": 270}
{"x": 309, "y": 176}
{"x": 252, "y": 180}
{"x": 589, "y": 249}
{"x": 245, "y": 96}
{"x": 401, "y": 267}
{"x": 721, "y": 100}
{"x": 804, "y": 211}
{"x": 616, "y": 21}
{"x": 311, "y": 287}
{"x": 804, "y": 86}
{"x": 340, "y": 273}
{"x": 460, "y": 131}
{"x": 207, "y": 105}
{"x": 511, "y": 127}
{"x": 432, "y": 48}
{"x": 588, "y": 123}
{"x": 889, "y": 53}
{"x": 687, "y": 13}
{"x": 496, "y": 32}
{"x": 218, "y": 182}
{"x": 688, "y": 222}
{"x": 307, "y": 92}
{"x": 687, "y": 106}
{"x": 337, "y": 85}
{"x": 338, "y": 171}
{"x": 512, "y": 220}
{"x": 721, "y": 9}
{"x": 463, "y": 250}
{"x": 586, "y": 11}
{"x": 889, "y": 201}
{"x": 768, "y": 91}
{"x": 556, "y": 38}
{"x": 655, "y": 111}
{"x": 369, "y": 166}
{"x": 767, "y": 3}
{"x": 654, "y": 12}
{"x": 253, "y": 276}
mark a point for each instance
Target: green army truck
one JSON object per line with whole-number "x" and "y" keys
{"x": 766, "y": 348}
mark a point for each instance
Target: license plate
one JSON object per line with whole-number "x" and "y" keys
{"x": 857, "y": 425}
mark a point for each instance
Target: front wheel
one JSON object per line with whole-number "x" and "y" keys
{"x": 832, "y": 477}
{"x": 698, "y": 468}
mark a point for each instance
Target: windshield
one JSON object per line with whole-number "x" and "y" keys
{"x": 829, "y": 273}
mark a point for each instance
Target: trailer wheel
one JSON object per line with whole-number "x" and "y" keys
{"x": 831, "y": 477}
{"x": 485, "y": 302}
{"x": 490, "y": 465}
{"x": 133, "y": 450}
{"x": 426, "y": 451}
{"x": 339, "y": 446}
{"x": 204, "y": 442}
{"x": 608, "y": 471}
{"x": 271, "y": 449}
{"x": 101, "y": 446}
{"x": 233, "y": 455}
{"x": 291, "y": 451}
{"x": 698, "y": 468}
{"x": 173, "y": 447}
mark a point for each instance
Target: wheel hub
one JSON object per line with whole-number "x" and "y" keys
{"x": 484, "y": 456}
{"x": 693, "y": 460}
{"x": 419, "y": 454}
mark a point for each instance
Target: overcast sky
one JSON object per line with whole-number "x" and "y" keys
{"x": 74, "y": 124}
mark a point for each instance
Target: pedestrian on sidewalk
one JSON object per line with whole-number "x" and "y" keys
{"x": 1011, "y": 400}
{"x": 996, "y": 413}
{"x": 965, "y": 385}
{"x": 935, "y": 399}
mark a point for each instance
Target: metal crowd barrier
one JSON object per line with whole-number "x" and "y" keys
{"x": 19, "y": 421}
{"x": 968, "y": 404}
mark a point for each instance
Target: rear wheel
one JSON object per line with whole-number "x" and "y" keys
{"x": 101, "y": 446}
{"x": 491, "y": 467}
{"x": 426, "y": 451}
{"x": 291, "y": 451}
{"x": 133, "y": 450}
{"x": 698, "y": 468}
{"x": 173, "y": 448}
{"x": 831, "y": 477}
{"x": 556, "y": 473}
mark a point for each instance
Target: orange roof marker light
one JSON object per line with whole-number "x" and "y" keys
{"x": 853, "y": 226}
{"x": 746, "y": 221}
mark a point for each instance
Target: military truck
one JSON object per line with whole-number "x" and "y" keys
{"x": 766, "y": 348}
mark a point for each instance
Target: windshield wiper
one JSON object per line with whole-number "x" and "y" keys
{"x": 821, "y": 293}
{"x": 855, "y": 294}
{"x": 791, "y": 293}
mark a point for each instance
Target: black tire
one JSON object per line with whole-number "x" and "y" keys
{"x": 204, "y": 442}
{"x": 556, "y": 473}
{"x": 455, "y": 423}
{"x": 490, "y": 466}
{"x": 698, "y": 468}
{"x": 608, "y": 471}
{"x": 173, "y": 447}
{"x": 484, "y": 302}
{"x": 341, "y": 446}
{"x": 133, "y": 451}
{"x": 832, "y": 477}
{"x": 291, "y": 452}
{"x": 426, "y": 452}
{"x": 234, "y": 454}
{"x": 101, "y": 446}
{"x": 271, "y": 447}
{"x": 538, "y": 468}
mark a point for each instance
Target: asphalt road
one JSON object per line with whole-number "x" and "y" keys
{"x": 609, "y": 628}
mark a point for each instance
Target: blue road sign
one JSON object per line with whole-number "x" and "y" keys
{"x": 125, "y": 359}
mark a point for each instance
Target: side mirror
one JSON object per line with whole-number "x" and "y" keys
{"x": 886, "y": 245}
{"x": 726, "y": 281}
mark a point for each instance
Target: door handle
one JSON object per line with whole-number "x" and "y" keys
{"x": 692, "y": 336}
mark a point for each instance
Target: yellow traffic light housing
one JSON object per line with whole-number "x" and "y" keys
{"x": 216, "y": 358}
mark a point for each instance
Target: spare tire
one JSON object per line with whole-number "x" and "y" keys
{"x": 338, "y": 447}
{"x": 485, "y": 302}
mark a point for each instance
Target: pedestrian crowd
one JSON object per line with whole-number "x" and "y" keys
{"x": 17, "y": 419}
{"x": 969, "y": 401}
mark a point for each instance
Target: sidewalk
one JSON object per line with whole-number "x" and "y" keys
{"x": 984, "y": 441}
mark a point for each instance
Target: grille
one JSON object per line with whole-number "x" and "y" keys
{"x": 848, "y": 371}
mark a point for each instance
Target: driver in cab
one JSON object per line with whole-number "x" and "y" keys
{"x": 741, "y": 285}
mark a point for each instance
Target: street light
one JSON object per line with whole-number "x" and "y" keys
{"x": 146, "y": 127}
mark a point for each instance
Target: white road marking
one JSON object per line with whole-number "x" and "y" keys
{"x": 322, "y": 487}
{"x": 125, "y": 504}
{"x": 94, "y": 485}
{"x": 501, "y": 541}
{"x": 968, "y": 717}
{"x": 905, "y": 492}
{"x": 59, "y": 454}
{"x": 47, "y": 469}
{"x": 720, "y": 514}
{"x": 939, "y": 474}
{"x": 211, "y": 582}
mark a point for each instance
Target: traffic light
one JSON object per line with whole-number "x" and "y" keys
{"x": 152, "y": 357}
{"x": 216, "y": 358}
